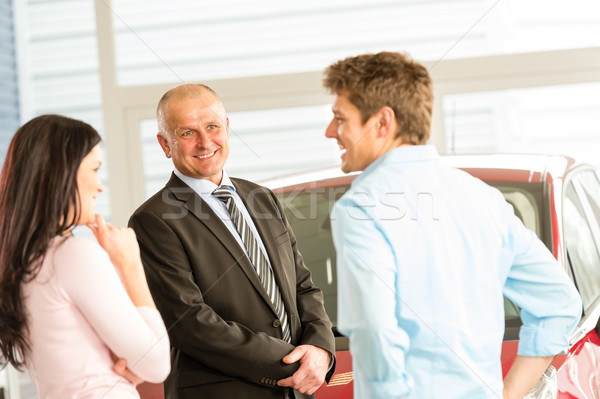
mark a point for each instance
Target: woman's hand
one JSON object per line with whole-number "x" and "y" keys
{"x": 120, "y": 367}
{"x": 119, "y": 242}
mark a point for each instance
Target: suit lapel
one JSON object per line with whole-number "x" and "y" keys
{"x": 204, "y": 213}
{"x": 262, "y": 213}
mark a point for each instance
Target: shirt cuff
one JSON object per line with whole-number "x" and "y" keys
{"x": 540, "y": 342}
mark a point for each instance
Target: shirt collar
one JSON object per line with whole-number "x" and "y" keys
{"x": 203, "y": 186}
{"x": 226, "y": 181}
{"x": 409, "y": 153}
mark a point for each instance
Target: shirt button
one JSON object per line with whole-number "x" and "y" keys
{"x": 277, "y": 323}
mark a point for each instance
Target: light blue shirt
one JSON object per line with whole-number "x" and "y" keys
{"x": 424, "y": 253}
{"x": 204, "y": 189}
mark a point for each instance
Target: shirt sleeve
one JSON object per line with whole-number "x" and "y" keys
{"x": 550, "y": 304}
{"x": 138, "y": 334}
{"x": 367, "y": 302}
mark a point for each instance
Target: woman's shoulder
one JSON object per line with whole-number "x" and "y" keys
{"x": 75, "y": 243}
{"x": 77, "y": 249}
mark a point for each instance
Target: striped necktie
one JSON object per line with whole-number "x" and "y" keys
{"x": 261, "y": 265}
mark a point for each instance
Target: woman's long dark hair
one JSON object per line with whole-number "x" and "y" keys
{"x": 38, "y": 201}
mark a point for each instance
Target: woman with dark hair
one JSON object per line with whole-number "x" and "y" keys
{"x": 64, "y": 313}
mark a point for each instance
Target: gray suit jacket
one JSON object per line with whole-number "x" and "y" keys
{"x": 225, "y": 339}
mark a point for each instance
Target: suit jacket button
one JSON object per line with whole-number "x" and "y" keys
{"x": 277, "y": 323}
{"x": 262, "y": 380}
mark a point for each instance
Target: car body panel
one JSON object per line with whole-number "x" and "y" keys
{"x": 579, "y": 374}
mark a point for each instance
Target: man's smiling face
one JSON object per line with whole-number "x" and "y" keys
{"x": 197, "y": 136}
{"x": 356, "y": 139}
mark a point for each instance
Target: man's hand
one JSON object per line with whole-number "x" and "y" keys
{"x": 121, "y": 369}
{"x": 523, "y": 374}
{"x": 314, "y": 363}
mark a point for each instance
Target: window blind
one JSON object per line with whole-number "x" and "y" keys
{"x": 9, "y": 93}
{"x": 547, "y": 120}
{"x": 60, "y": 66}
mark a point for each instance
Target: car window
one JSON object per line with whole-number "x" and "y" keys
{"x": 526, "y": 200}
{"x": 581, "y": 248}
{"x": 308, "y": 214}
{"x": 590, "y": 188}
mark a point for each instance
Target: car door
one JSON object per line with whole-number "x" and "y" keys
{"x": 580, "y": 376}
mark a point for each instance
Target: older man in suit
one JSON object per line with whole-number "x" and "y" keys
{"x": 245, "y": 319}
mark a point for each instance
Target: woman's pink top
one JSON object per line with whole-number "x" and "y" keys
{"x": 79, "y": 312}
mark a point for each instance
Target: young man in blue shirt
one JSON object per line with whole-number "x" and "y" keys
{"x": 425, "y": 252}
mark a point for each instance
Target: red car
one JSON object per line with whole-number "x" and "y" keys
{"x": 555, "y": 196}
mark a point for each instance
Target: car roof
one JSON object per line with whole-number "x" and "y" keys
{"x": 528, "y": 168}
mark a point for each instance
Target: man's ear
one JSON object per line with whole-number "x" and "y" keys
{"x": 387, "y": 122}
{"x": 164, "y": 144}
